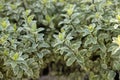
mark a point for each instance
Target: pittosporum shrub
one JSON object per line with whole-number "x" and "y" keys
{"x": 82, "y": 33}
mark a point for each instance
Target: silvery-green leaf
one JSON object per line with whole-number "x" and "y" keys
{"x": 70, "y": 61}
{"x": 102, "y": 47}
{"x": 111, "y": 75}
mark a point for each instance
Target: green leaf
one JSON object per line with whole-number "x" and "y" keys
{"x": 29, "y": 72}
{"x": 6, "y": 52}
{"x": 94, "y": 76}
{"x": 33, "y": 26}
{"x": 111, "y": 75}
{"x": 93, "y": 39}
{"x": 5, "y": 23}
{"x": 80, "y": 56}
{"x": 76, "y": 45}
{"x": 20, "y": 73}
{"x": 85, "y": 32}
{"x": 16, "y": 70}
{"x": 90, "y": 40}
{"x": 70, "y": 61}
{"x": 12, "y": 63}
{"x": 116, "y": 51}
{"x": 61, "y": 36}
{"x": 48, "y": 18}
{"x": 91, "y": 27}
{"x": 42, "y": 53}
{"x": 30, "y": 18}
{"x": 15, "y": 56}
{"x": 15, "y": 27}
{"x": 27, "y": 12}
{"x": 102, "y": 47}
{"x": 1, "y": 7}
{"x": 118, "y": 17}
{"x": 116, "y": 65}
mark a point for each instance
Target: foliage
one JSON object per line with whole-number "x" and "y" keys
{"x": 34, "y": 33}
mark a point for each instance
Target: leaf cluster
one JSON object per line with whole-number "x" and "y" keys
{"x": 34, "y": 33}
